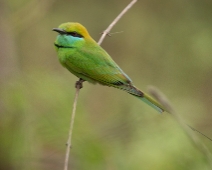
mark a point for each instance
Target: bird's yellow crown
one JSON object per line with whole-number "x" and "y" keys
{"x": 75, "y": 27}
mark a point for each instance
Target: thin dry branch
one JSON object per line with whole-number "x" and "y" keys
{"x": 79, "y": 84}
{"x": 106, "y": 32}
{"x": 68, "y": 144}
{"x": 187, "y": 129}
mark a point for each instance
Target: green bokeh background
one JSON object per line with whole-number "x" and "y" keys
{"x": 167, "y": 44}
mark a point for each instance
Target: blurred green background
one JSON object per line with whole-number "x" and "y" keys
{"x": 167, "y": 44}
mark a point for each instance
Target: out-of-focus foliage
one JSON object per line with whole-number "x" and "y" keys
{"x": 167, "y": 44}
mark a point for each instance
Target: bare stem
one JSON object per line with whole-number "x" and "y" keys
{"x": 79, "y": 85}
{"x": 116, "y": 20}
{"x": 69, "y": 144}
{"x": 187, "y": 129}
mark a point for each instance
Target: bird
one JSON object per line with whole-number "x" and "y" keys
{"x": 85, "y": 58}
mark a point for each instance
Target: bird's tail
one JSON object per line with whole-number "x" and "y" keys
{"x": 142, "y": 96}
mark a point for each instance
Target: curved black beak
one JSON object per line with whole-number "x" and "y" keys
{"x": 60, "y": 31}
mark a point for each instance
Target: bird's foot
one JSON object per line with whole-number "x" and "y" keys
{"x": 79, "y": 83}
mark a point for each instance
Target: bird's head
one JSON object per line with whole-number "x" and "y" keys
{"x": 71, "y": 35}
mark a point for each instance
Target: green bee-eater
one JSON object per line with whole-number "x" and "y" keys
{"x": 84, "y": 58}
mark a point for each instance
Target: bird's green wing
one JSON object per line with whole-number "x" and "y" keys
{"x": 94, "y": 63}
{"x": 97, "y": 65}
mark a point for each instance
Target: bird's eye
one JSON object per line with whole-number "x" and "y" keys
{"x": 75, "y": 34}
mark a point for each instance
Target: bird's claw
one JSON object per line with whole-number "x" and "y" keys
{"x": 79, "y": 83}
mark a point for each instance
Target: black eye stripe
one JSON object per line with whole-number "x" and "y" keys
{"x": 74, "y": 34}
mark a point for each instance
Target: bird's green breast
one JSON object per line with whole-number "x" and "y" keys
{"x": 67, "y": 47}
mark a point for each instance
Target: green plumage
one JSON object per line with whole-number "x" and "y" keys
{"x": 83, "y": 57}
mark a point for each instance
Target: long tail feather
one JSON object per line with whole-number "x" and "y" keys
{"x": 153, "y": 103}
{"x": 142, "y": 96}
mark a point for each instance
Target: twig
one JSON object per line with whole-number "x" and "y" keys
{"x": 187, "y": 129}
{"x": 116, "y": 20}
{"x": 68, "y": 144}
{"x": 110, "y": 34}
{"x": 79, "y": 85}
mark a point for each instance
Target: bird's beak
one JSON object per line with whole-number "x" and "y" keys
{"x": 60, "y": 31}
